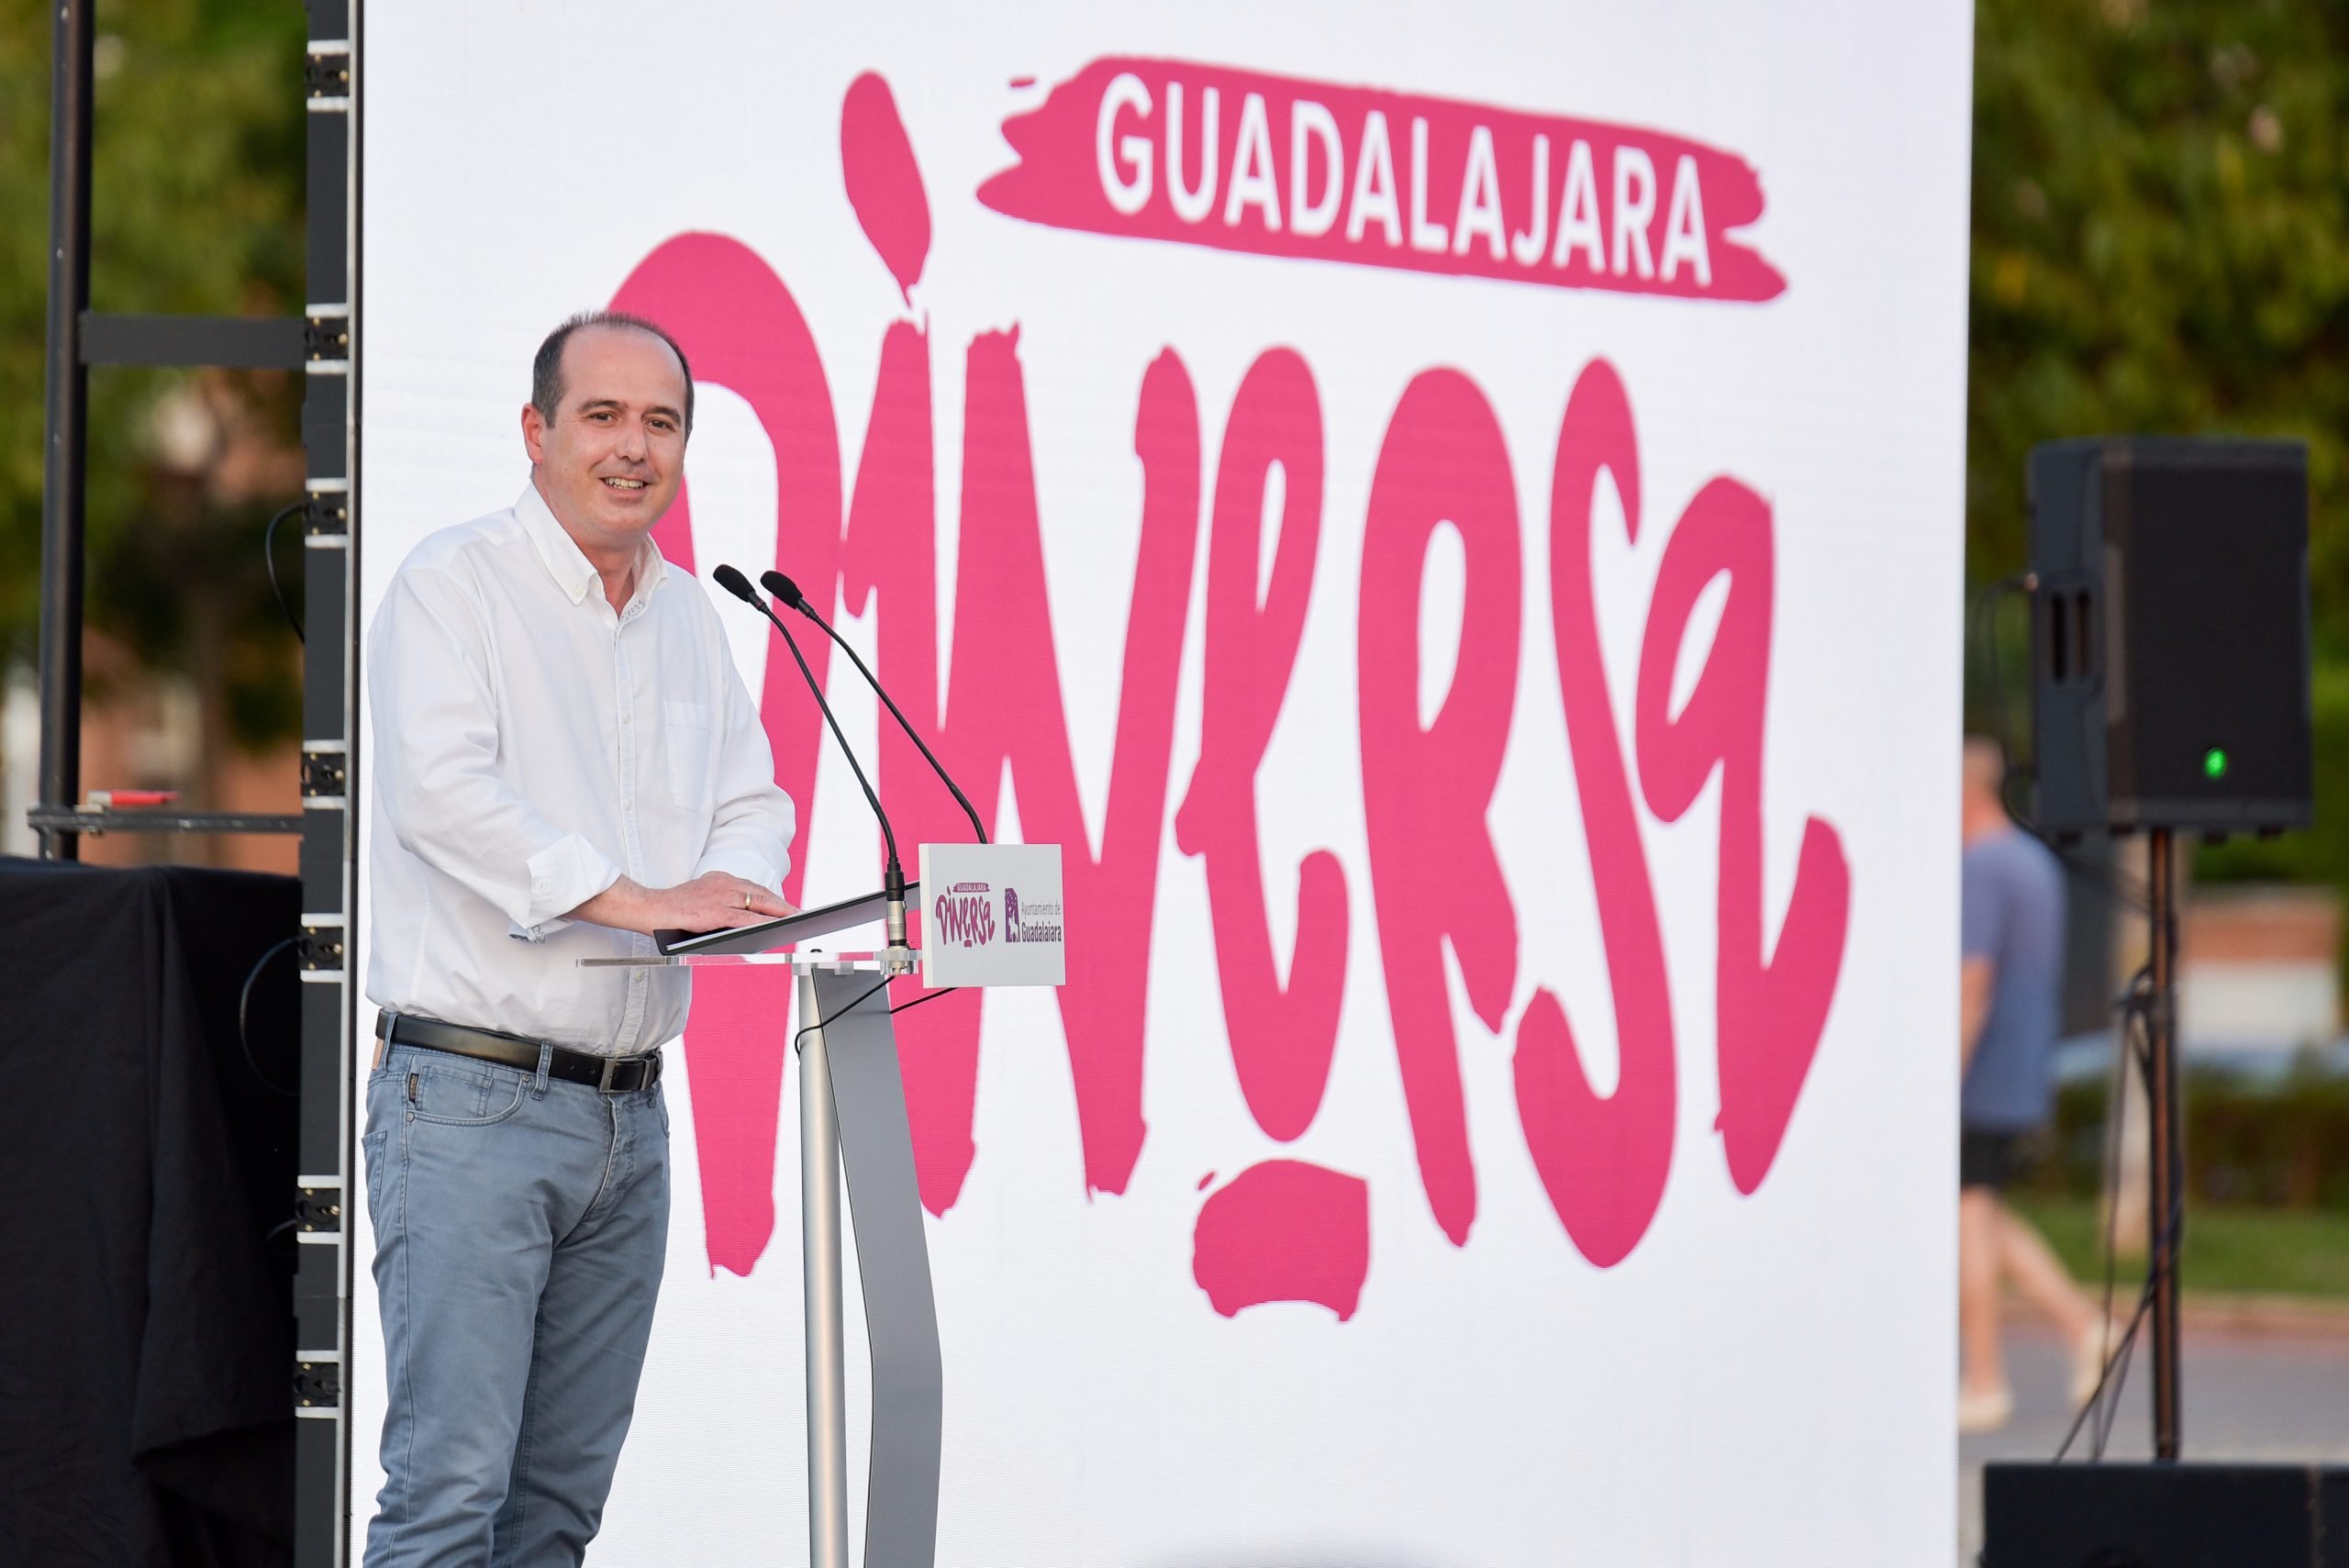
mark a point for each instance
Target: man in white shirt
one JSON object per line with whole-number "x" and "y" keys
{"x": 566, "y": 762}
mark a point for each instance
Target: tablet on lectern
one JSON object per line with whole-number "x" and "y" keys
{"x": 783, "y": 932}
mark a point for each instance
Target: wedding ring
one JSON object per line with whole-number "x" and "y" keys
{"x": 746, "y": 901}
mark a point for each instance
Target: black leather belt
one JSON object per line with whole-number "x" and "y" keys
{"x": 608, "y": 1074}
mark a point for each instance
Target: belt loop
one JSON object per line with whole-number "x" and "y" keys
{"x": 546, "y": 1060}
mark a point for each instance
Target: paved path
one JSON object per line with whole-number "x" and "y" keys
{"x": 2249, "y": 1396}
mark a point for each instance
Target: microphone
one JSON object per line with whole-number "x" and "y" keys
{"x": 787, "y": 592}
{"x": 893, "y": 883}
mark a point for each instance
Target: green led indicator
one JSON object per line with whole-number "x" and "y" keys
{"x": 2214, "y": 762}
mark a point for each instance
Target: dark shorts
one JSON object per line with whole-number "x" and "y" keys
{"x": 1994, "y": 1160}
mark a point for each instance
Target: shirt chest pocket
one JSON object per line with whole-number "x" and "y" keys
{"x": 689, "y": 747}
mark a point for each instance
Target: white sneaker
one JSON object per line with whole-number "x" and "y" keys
{"x": 1985, "y": 1411}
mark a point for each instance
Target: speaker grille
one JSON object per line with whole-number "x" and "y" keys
{"x": 2170, "y": 634}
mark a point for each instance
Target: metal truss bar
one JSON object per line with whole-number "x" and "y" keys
{"x": 327, "y": 1136}
{"x": 47, "y": 819}
{"x": 273, "y": 342}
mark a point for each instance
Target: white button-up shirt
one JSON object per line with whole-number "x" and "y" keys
{"x": 530, "y": 745}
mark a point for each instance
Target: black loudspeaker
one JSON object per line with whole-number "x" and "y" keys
{"x": 2165, "y": 1515}
{"x": 2169, "y": 635}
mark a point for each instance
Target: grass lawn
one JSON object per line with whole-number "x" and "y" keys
{"x": 2259, "y": 1251}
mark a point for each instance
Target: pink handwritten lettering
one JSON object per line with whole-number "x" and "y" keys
{"x": 1283, "y": 1229}
{"x": 1282, "y": 1037}
{"x": 1195, "y": 154}
{"x": 1435, "y": 874}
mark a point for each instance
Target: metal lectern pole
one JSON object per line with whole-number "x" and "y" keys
{"x": 2168, "y": 1214}
{"x": 819, "y": 1230}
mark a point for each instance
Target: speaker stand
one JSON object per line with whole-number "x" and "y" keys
{"x": 2168, "y": 1205}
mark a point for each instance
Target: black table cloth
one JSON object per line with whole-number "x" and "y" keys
{"x": 147, "y": 1173}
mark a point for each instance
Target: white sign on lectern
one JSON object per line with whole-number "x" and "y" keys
{"x": 991, "y": 914}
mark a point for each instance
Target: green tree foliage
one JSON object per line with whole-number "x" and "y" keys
{"x": 2161, "y": 246}
{"x": 2160, "y": 242}
{"x": 197, "y": 208}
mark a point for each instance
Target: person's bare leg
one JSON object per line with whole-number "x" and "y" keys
{"x": 1978, "y": 1291}
{"x": 2032, "y": 1263}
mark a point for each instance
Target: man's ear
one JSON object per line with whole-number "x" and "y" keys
{"x": 534, "y": 432}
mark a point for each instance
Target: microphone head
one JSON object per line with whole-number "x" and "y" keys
{"x": 734, "y": 583}
{"x": 787, "y": 590}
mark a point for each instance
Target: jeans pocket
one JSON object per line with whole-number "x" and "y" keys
{"x": 372, "y": 1148}
{"x": 454, "y": 1096}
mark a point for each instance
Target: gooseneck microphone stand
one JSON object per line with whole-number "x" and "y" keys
{"x": 787, "y": 592}
{"x": 893, "y": 882}
{"x": 853, "y": 1123}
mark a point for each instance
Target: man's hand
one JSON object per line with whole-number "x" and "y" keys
{"x": 713, "y": 901}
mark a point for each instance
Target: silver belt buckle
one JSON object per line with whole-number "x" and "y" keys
{"x": 648, "y": 1073}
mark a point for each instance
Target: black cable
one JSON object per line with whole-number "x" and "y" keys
{"x": 2126, "y": 1050}
{"x": 2170, "y": 1241}
{"x": 2104, "y": 1399}
{"x": 269, "y": 561}
{"x": 811, "y": 1028}
{"x": 2104, "y": 1402}
{"x": 2115, "y": 1127}
{"x": 853, "y": 1006}
{"x": 2118, "y": 1373}
{"x": 244, "y": 1002}
{"x": 2105, "y": 879}
{"x": 2136, "y": 1050}
{"x": 934, "y": 995}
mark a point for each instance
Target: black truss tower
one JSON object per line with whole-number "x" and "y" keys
{"x": 321, "y": 343}
{"x": 328, "y": 1185}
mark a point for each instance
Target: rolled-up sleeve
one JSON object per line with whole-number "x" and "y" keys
{"x": 436, "y": 762}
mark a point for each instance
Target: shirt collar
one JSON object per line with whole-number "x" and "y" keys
{"x": 567, "y": 562}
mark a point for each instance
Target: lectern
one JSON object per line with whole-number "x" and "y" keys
{"x": 992, "y": 916}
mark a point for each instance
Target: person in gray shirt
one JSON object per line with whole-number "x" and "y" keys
{"x": 2010, "y": 1006}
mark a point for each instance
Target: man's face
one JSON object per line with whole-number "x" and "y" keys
{"x": 610, "y": 461}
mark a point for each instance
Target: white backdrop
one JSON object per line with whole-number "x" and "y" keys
{"x": 1742, "y": 1353}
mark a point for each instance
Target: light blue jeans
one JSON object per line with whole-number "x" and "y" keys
{"x": 520, "y": 1227}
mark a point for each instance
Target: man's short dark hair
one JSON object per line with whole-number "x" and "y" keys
{"x": 546, "y": 371}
